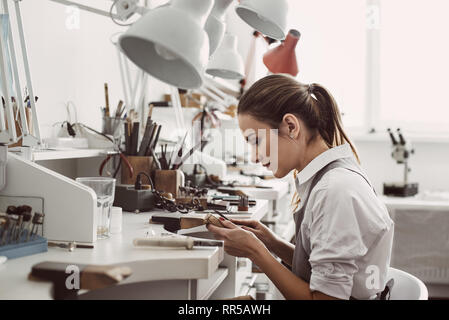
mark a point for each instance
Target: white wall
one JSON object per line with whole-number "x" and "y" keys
{"x": 430, "y": 164}
{"x": 73, "y": 63}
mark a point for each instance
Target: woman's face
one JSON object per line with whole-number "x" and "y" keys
{"x": 273, "y": 148}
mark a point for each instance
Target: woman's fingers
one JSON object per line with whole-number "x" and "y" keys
{"x": 245, "y": 222}
{"x": 249, "y": 229}
{"x": 228, "y": 224}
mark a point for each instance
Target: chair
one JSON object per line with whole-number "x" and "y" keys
{"x": 406, "y": 286}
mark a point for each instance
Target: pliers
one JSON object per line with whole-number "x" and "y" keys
{"x": 122, "y": 157}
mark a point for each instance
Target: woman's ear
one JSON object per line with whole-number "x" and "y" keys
{"x": 292, "y": 126}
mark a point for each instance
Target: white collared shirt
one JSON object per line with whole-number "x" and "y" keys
{"x": 346, "y": 230}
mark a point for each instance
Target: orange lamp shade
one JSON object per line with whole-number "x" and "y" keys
{"x": 282, "y": 59}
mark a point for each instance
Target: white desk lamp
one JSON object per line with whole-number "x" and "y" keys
{"x": 170, "y": 42}
{"x": 226, "y": 62}
{"x": 266, "y": 16}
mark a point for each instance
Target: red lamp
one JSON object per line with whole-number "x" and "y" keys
{"x": 282, "y": 59}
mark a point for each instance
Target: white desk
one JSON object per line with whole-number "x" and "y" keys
{"x": 421, "y": 244}
{"x": 157, "y": 273}
{"x": 276, "y": 194}
{"x": 414, "y": 203}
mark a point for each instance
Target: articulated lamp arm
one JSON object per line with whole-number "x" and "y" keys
{"x": 125, "y": 8}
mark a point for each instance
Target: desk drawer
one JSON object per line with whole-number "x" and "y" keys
{"x": 202, "y": 289}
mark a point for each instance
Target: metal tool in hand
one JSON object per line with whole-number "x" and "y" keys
{"x": 221, "y": 214}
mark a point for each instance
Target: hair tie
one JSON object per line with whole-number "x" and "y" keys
{"x": 310, "y": 89}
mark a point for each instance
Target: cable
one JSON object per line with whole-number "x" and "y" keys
{"x": 138, "y": 183}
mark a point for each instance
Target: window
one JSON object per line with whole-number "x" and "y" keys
{"x": 332, "y": 49}
{"x": 414, "y": 64}
{"x": 409, "y": 60}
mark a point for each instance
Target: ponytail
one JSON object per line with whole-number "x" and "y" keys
{"x": 330, "y": 125}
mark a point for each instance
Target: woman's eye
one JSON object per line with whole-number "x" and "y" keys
{"x": 255, "y": 141}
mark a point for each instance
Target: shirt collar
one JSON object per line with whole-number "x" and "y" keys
{"x": 328, "y": 156}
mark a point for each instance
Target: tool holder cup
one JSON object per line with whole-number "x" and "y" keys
{"x": 139, "y": 164}
{"x": 169, "y": 181}
{"x": 112, "y": 126}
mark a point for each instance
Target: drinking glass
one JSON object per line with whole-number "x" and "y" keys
{"x": 105, "y": 190}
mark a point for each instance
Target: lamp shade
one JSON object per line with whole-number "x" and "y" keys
{"x": 215, "y": 25}
{"x": 170, "y": 43}
{"x": 226, "y": 62}
{"x": 282, "y": 59}
{"x": 266, "y": 16}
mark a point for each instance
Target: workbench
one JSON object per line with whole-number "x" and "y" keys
{"x": 158, "y": 273}
{"x": 277, "y": 194}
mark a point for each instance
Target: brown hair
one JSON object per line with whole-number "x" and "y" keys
{"x": 272, "y": 97}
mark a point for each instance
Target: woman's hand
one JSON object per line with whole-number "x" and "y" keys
{"x": 259, "y": 230}
{"x": 237, "y": 242}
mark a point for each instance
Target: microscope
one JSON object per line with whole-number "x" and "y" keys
{"x": 402, "y": 151}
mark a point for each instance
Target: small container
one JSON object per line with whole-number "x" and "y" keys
{"x": 116, "y": 220}
{"x": 169, "y": 181}
{"x": 112, "y": 126}
{"x": 105, "y": 190}
{"x": 139, "y": 164}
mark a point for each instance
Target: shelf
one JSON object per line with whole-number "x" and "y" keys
{"x": 68, "y": 154}
{"x": 53, "y": 154}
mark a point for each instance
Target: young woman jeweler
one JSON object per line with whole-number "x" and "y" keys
{"x": 344, "y": 234}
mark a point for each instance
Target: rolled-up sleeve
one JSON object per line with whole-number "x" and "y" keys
{"x": 336, "y": 242}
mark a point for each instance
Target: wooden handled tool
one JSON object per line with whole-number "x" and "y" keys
{"x": 106, "y": 94}
{"x": 91, "y": 277}
{"x": 174, "y": 224}
{"x": 175, "y": 242}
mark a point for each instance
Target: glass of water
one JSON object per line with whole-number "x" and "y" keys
{"x": 105, "y": 190}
